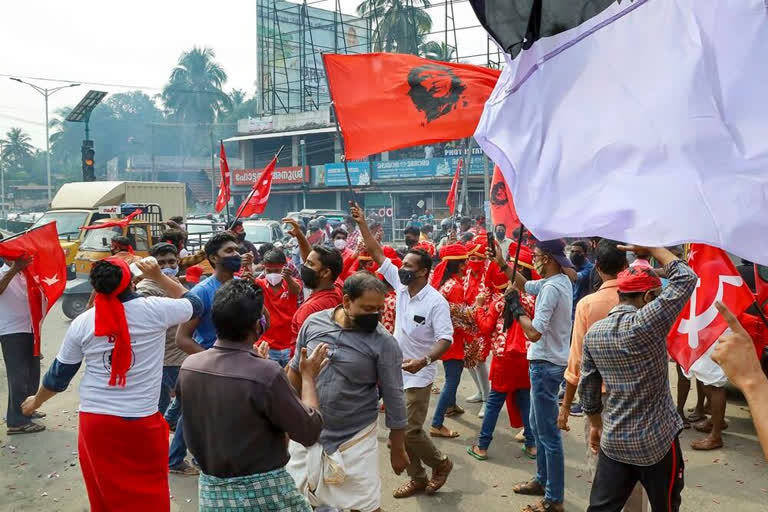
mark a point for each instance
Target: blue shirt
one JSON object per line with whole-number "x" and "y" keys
{"x": 552, "y": 318}
{"x": 581, "y": 285}
{"x": 205, "y": 334}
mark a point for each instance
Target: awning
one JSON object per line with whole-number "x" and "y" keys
{"x": 310, "y": 131}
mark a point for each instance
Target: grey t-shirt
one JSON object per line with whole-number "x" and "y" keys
{"x": 360, "y": 366}
{"x": 552, "y": 318}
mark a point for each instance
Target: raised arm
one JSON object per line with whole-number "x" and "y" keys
{"x": 151, "y": 270}
{"x": 371, "y": 245}
{"x": 304, "y": 247}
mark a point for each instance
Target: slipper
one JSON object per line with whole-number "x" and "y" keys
{"x": 29, "y": 428}
{"x": 528, "y": 454}
{"x": 473, "y": 453}
{"x": 695, "y": 418}
{"x": 453, "y": 411}
{"x": 437, "y": 433}
{"x": 530, "y": 488}
{"x": 706, "y": 426}
{"x": 706, "y": 444}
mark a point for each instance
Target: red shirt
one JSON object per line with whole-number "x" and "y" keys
{"x": 282, "y": 305}
{"x": 318, "y": 301}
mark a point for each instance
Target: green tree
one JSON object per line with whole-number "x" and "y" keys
{"x": 194, "y": 92}
{"x": 438, "y": 51}
{"x": 399, "y": 25}
{"x": 17, "y": 154}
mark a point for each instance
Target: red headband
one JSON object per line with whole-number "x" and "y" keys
{"x": 110, "y": 321}
{"x": 453, "y": 252}
{"x": 636, "y": 279}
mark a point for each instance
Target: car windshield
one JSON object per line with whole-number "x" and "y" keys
{"x": 200, "y": 227}
{"x": 67, "y": 223}
{"x": 100, "y": 239}
{"x": 257, "y": 233}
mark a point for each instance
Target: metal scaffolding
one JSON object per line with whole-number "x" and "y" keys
{"x": 292, "y": 36}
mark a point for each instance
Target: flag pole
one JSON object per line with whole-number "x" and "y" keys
{"x": 343, "y": 156}
{"x": 250, "y": 194}
{"x": 221, "y": 143}
{"x": 517, "y": 250}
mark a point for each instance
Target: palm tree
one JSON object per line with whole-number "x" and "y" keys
{"x": 398, "y": 23}
{"x": 438, "y": 51}
{"x": 17, "y": 152}
{"x": 194, "y": 91}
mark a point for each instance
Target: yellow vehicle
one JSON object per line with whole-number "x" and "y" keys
{"x": 85, "y": 203}
{"x": 96, "y": 245}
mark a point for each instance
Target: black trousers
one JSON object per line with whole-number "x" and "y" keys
{"x": 23, "y": 371}
{"x": 663, "y": 482}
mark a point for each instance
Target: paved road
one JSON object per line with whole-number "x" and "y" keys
{"x": 41, "y": 472}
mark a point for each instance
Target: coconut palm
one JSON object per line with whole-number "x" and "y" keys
{"x": 398, "y": 23}
{"x": 17, "y": 151}
{"x": 194, "y": 91}
{"x": 438, "y": 51}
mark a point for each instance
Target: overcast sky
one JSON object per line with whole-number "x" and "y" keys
{"x": 134, "y": 43}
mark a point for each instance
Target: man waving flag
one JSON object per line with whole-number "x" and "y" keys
{"x": 640, "y": 120}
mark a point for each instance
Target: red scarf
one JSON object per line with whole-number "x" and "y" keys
{"x": 110, "y": 321}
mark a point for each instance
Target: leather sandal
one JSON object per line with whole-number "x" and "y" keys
{"x": 437, "y": 432}
{"x": 409, "y": 489}
{"x": 707, "y": 444}
{"x": 530, "y": 488}
{"x": 439, "y": 476}
{"x": 454, "y": 410}
{"x": 544, "y": 506}
{"x": 706, "y": 426}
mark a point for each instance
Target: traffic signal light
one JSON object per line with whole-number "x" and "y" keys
{"x": 88, "y": 154}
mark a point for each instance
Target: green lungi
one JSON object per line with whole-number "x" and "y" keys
{"x": 271, "y": 491}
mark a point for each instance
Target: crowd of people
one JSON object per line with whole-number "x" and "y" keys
{"x": 273, "y": 370}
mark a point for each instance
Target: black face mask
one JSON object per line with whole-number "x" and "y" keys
{"x": 410, "y": 242}
{"x": 308, "y": 277}
{"x": 501, "y": 235}
{"x": 578, "y": 259}
{"x": 232, "y": 263}
{"x": 367, "y": 323}
{"x": 241, "y": 236}
{"x": 406, "y": 276}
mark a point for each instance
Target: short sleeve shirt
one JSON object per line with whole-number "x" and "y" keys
{"x": 14, "y": 304}
{"x": 282, "y": 305}
{"x": 552, "y": 318}
{"x": 205, "y": 334}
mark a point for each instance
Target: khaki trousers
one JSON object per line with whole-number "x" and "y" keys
{"x": 417, "y": 443}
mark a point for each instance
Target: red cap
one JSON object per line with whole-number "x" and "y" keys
{"x": 638, "y": 279}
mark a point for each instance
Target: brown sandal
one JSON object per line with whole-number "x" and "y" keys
{"x": 706, "y": 426}
{"x": 454, "y": 410}
{"x": 439, "y": 476}
{"x": 409, "y": 489}
{"x": 531, "y": 488}
{"x": 436, "y": 432}
{"x": 544, "y": 506}
{"x": 707, "y": 444}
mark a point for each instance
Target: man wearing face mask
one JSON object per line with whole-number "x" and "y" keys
{"x": 244, "y": 245}
{"x": 583, "y": 269}
{"x": 412, "y": 234}
{"x": 638, "y": 441}
{"x": 199, "y": 334}
{"x": 501, "y": 236}
{"x": 424, "y": 331}
{"x": 365, "y": 360}
{"x": 167, "y": 258}
{"x": 280, "y": 298}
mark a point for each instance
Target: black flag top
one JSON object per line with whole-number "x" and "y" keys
{"x": 517, "y": 24}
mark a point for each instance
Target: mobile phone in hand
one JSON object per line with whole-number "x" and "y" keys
{"x": 491, "y": 244}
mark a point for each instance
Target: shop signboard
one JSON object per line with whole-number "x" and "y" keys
{"x": 282, "y": 176}
{"x": 359, "y": 174}
{"x": 443, "y": 167}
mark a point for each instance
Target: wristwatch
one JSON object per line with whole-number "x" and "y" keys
{"x": 427, "y": 361}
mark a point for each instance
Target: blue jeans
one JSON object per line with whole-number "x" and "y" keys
{"x": 453, "y": 369}
{"x": 178, "y": 449}
{"x": 173, "y": 412}
{"x": 282, "y": 357}
{"x": 493, "y": 407}
{"x": 167, "y": 385}
{"x": 550, "y": 461}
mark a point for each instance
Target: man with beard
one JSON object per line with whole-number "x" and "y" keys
{"x": 412, "y": 234}
{"x": 243, "y": 245}
{"x": 501, "y": 236}
{"x": 365, "y": 361}
{"x": 424, "y": 331}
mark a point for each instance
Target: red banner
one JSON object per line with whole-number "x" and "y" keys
{"x": 282, "y": 176}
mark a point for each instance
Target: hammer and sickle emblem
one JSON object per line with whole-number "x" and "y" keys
{"x": 695, "y": 323}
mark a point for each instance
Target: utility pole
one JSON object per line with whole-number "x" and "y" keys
{"x": 46, "y": 93}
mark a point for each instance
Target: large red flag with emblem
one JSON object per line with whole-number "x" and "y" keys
{"x": 699, "y": 324}
{"x": 502, "y": 206}
{"x": 388, "y": 101}
{"x": 224, "y": 191}
{"x": 257, "y": 199}
{"x": 46, "y": 275}
{"x": 451, "y": 200}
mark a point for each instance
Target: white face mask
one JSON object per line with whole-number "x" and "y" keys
{"x": 340, "y": 244}
{"x": 170, "y": 271}
{"x": 274, "y": 279}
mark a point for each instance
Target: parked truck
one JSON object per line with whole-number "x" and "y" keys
{"x": 85, "y": 203}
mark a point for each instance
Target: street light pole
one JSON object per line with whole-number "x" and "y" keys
{"x": 2, "y": 190}
{"x": 46, "y": 92}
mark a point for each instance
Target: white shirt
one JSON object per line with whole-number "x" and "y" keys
{"x": 14, "y": 305}
{"x": 148, "y": 319}
{"x": 420, "y": 322}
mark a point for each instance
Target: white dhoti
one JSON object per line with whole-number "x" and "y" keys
{"x": 346, "y": 479}
{"x": 707, "y": 371}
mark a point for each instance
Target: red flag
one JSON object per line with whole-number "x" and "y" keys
{"x": 699, "y": 324}
{"x": 46, "y": 275}
{"x": 387, "y": 101}
{"x": 761, "y": 286}
{"x": 224, "y": 194}
{"x": 115, "y": 223}
{"x": 451, "y": 200}
{"x": 502, "y": 206}
{"x": 259, "y": 196}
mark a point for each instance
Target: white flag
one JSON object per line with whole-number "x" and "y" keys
{"x": 647, "y": 123}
